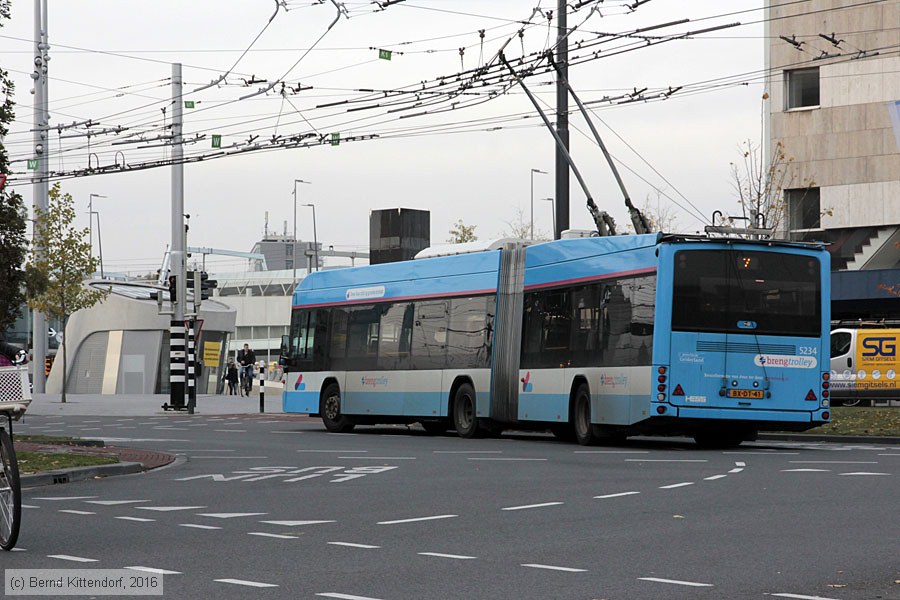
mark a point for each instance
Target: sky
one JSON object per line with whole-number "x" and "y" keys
{"x": 111, "y": 63}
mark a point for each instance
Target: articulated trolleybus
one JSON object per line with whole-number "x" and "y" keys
{"x": 592, "y": 338}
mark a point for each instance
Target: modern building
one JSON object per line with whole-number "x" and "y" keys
{"x": 835, "y": 82}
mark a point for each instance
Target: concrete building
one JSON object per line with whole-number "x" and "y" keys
{"x": 835, "y": 71}
{"x": 834, "y": 87}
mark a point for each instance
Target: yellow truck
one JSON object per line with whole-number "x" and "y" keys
{"x": 865, "y": 366}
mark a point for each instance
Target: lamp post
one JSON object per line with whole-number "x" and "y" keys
{"x": 91, "y": 213}
{"x": 533, "y": 171}
{"x": 294, "y": 247}
{"x": 553, "y": 214}
{"x": 315, "y": 238}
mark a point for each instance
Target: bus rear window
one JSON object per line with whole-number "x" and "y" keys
{"x": 748, "y": 292}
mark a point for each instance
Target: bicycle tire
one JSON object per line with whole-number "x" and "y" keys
{"x": 10, "y": 493}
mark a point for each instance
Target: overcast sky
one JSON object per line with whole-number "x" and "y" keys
{"x": 110, "y": 63}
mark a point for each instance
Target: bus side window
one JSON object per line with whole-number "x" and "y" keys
{"x": 840, "y": 343}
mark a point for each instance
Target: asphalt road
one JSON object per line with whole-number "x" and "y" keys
{"x": 273, "y": 506}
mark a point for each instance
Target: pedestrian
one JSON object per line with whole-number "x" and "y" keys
{"x": 231, "y": 377}
{"x": 245, "y": 359}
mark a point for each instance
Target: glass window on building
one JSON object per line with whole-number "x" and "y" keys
{"x": 803, "y": 207}
{"x": 801, "y": 87}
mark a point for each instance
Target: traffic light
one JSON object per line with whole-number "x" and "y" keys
{"x": 201, "y": 285}
{"x": 173, "y": 289}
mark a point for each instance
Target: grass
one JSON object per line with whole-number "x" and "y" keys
{"x": 38, "y": 462}
{"x": 861, "y": 420}
{"x": 44, "y": 438}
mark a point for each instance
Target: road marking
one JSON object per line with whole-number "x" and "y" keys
{"x": 93, "y": 421}
{"x": 152, "y": 570}
{"x": 799, "y": 597}
{"x": 295, "y": 523}
{"x": 334, "y": 451}
{"x": 273, "y": 535}
{"x": 416, "y": 519}
{"x": 736, "y": 470}
{"x": 232, "y": 457}
{"x": 195, "y": 526}
{"x": 714, "y": 477}
{"x": 345, "y": 596}
{"x": 536, "y": 459}
{"x": 468, "y": 451}
{"x": 230, "y": 515}
{"x": 740, "y": 464}
{"x": 619, "y": 495}
{"x": 761, "y": 451}
{"x": 257, "y": 584}
{"x": 114, "y": 502}
{"x": 351, "y": 545}
{"x": 379, "y": 457}
{"x": 456, "y": 556}
{"x": 676, "y": 582}
{"x": 163, "y": 427}
{"x": 834, "y": 462}
{"x": 612, "y": 452}
{"x": 90, "y": 429}
{"x": 231, "y": 431}
{"x": 192, "y": 450}
{"x": 138, "y": 519}
{"x": 676, "y": 485}
{"x": 889, "y": 455}
{"x": 552, "y": 568}
{"x": 78, "y": 512}
{"x": 667, "y": 460}
{"x": 29, "y": 506}
{"x": 527, "y": 506}
{"x": 61, "y": 498}
{"x": 864, "y": 473}
{"x": 71, "y": 558}
{"x": 806, "y": 470}
{"x": 168, "y": 508}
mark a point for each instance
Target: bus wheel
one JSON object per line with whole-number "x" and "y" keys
{"x": 464, "y": 419}
{"x": 581, "y": 417}
{"x": 334, "y": 420}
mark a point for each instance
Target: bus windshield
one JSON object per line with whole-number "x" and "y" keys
{"x": 749, "y": 292}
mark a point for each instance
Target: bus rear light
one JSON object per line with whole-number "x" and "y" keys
{"x": 824, "y": 393}
{"x": 660, "y": 410}
{"x": 826, "y": 376}
{"x": 661, "y": 397}
{"x": 661, "y": 379}
{"x": 825, "y": 403}
{"x": 826, "y": 415}
{"x": 825, "y": 385}
{"x": 661, "y": 370}
{"x": 660, "y": 388}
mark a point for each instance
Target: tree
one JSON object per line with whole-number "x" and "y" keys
{"x": 461, "y": 233}
{"x": 520, "y": 227}
{"x": 60, "y": 262}
{"x": 13, "y": 245}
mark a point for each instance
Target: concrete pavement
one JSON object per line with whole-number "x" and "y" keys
{"x": 134, "y": 405}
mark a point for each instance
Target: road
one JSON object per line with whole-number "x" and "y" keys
{"x": 273, "y": 506}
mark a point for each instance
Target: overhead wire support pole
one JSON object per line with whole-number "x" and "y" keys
{"x": 562, "y": 123}
{"x": 638, "y": 220}
{"x": 177, "y": 342}
{"x": 592, "y": 207}
{"x": 39, "y": 180}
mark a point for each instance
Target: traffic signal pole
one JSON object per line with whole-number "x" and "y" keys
{"x": 177, "y": 333}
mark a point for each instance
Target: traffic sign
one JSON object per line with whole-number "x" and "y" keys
{"x": 384, "y": 54}
{"x": 33, "y": 164}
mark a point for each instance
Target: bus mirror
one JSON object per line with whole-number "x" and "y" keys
{"x": 285, "y": 345}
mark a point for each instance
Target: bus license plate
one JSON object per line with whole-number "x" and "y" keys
{"x": 754, "y": 394}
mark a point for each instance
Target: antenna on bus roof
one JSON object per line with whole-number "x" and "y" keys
{"x": 758, "y": 230}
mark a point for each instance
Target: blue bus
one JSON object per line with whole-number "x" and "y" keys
{"x": 594, "y": 338}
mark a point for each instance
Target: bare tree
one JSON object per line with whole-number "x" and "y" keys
{"x": 520, "y": 227}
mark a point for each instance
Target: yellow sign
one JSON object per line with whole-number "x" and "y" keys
{"x": 877, "y": 361}
{"x": 211, "y": 352}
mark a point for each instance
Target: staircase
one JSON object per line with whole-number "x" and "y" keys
{"x": 880, "y": 252}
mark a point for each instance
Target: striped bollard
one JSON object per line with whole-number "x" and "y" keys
{"x": 191, "y": 368}
{"x": 177, "y": 357}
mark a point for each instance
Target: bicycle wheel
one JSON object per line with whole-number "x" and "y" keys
{"x": 10, "y": 493}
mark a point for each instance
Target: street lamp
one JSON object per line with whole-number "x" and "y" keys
{"x": 315, "y": 238}
{"x": 552, "y": 213}
{"x": 294, "y": 247}
{"x": 533, "y": 171}
{"x": 91, "y": 213}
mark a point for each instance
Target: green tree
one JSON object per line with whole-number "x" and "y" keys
{"x": 13, "y": 245}
{"x": 461, "y": 233}
{"x": 60, "y": 262}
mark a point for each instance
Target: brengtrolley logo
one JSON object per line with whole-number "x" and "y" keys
{"x": 299, "y": 385}
{"x": 785, "y": 361}
{"x": 366, "y": 293}
{"x": 526, "y": 385}
{"x": 374, "y": 381}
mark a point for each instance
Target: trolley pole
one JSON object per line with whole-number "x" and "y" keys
{"x": 262, "y": 386}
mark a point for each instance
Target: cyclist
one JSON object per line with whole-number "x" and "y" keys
{"x": 246, "y": 359}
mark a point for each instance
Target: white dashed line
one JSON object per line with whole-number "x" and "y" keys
{"x": 257, "y": 584}
{"x": 736, "y": 470}
{"x": 864, "y": 473}
{"x": 552, "y": 568}
{"x": 114, "y": 502}
{"x": 229, "y": 515}
{"x": 231, "y": 431}
{"x": 611, "y": 452}
{"x": 676, "y": 582}
{"x": 168, "y": 508}
{"x": 138, "y": 519}
{"x": 527, "y": 506}
{"x": 619, "y": 495}
{"x": 834, "y": 462}
{"x": 667, "y": 460}
{"x": 740, "y": 464}
{"x": 195, "y": 526}
{"x": 440, "y": 555}
{"x": 273, "y": 535}
{"x": 436, "y": 517}
{"x": 805, "y": 470}
{"x": 379, "y": 457}
{"x": 714, "y": 477}
{"x": 71, "y": 558}
{"x": 295, "y": 523}
{"x": 78, "y": 512}
{"x": 231, "y": 457}
{"x": 152, "y": 570}
{"x": 676, "y": 485}
{"x": 334, "y": 451}
{"x": 468, "y": 452}
{"x": 345, "y": 596}
{"x": 352, "y": 545}
{"x": 800, "y": 597}
{"x": 509, "y": 459}
{"x": 61, "y": 498}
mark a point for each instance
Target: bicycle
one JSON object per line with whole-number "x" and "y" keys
{"x": 15, "y": 396}
{"x": 246, "y": 383}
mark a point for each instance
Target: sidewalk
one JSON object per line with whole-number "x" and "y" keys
{"x": 137, "y": 405}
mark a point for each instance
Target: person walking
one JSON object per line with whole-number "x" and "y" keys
{"x": 231, "y": 377}
{"x": 246, "y": 358}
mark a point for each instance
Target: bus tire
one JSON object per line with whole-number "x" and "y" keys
{"x": 330, "y": 410}
{"x": 464, "y": 420}
{"x": 585, "y": 432}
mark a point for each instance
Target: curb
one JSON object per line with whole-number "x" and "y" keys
{"x": 80, "y": 474}
{"x": 844, "y": 439}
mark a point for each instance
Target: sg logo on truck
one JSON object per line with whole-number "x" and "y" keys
{"x": 879, "y": 346}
